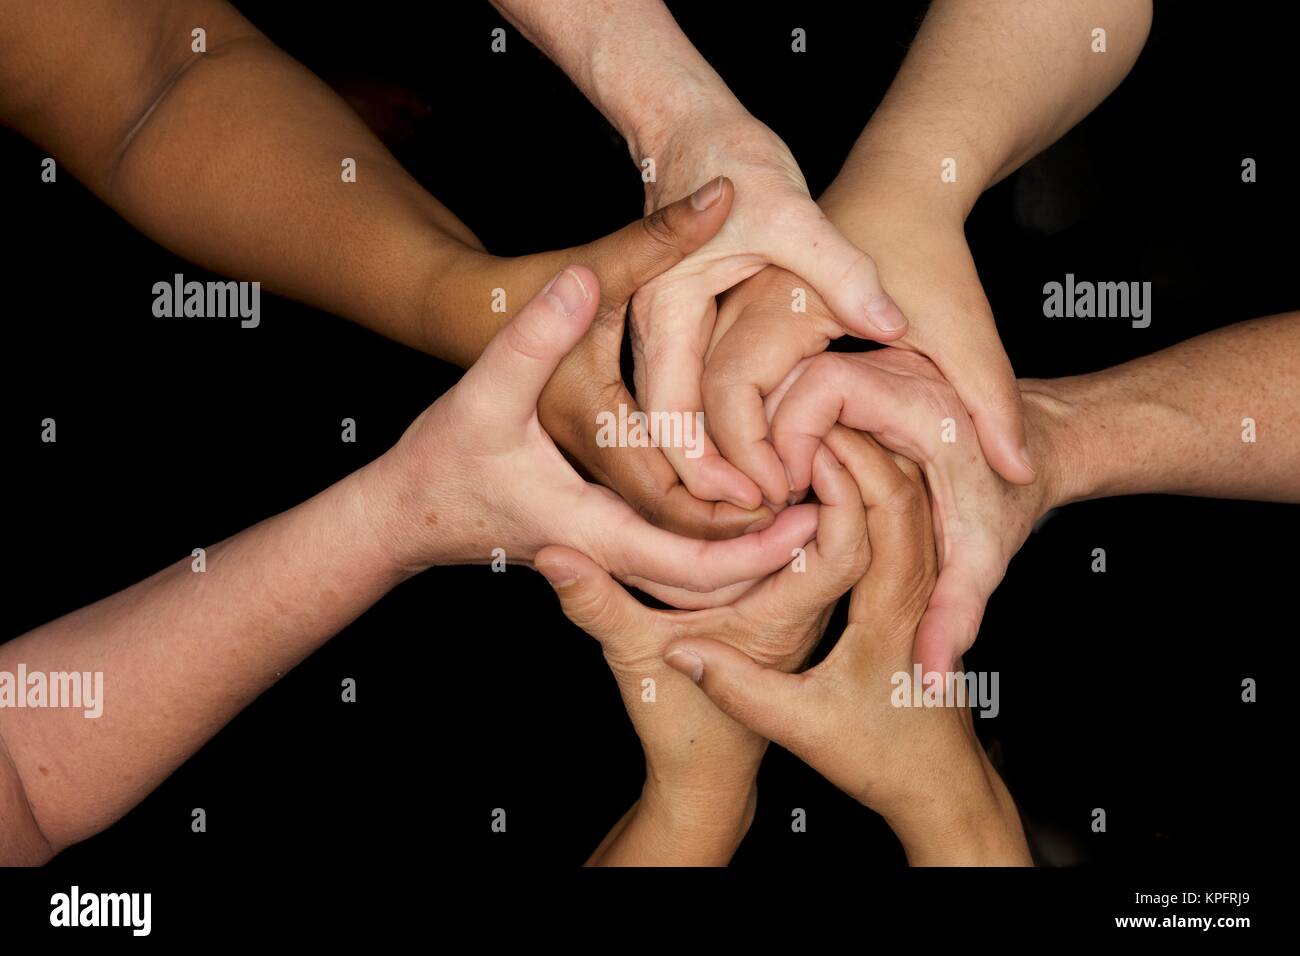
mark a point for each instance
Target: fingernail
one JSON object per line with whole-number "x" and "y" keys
{"x": 1024, "y": 456}
{"x": 759, "y": 525}
{"x": 707, "y": 195}
{"x": 559, "y": 574}
{"x": 794, "y": 498}
{"x": 884, "y": 314}
{"x": 567, "y": 292}
{"x": 789, "y": 478}
{"x": 687, "y": 662}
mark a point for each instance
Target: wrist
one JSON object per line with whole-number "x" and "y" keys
{"x": 456, "y": 318}
{"x": 891, "y": 188}
{"x": 897, "y": 157}
{"x": 1048, "y": 422}
{"x": 708, "y": 135}
{"x": 365, "y": 509}
{"x": 1103, "y": 438}
{"x": 697, "y": 826}
{"x": 972, "y": 821}
{"x": 399, "y": 517}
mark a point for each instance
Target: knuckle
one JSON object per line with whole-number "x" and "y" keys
{"x": 860, "y": 264}
{"x": 526, "y": 339}
{"x": 660, "y": 236}
{"x": 593, "y": 611}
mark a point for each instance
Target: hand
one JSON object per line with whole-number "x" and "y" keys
{"x": 980, "y": 519}
{"x": 921, "y": 768}
{"x": 589, "y": 383}
{"x": 773, "y": 220}
{"x": 758, "y": 339}
{"x": 924, "y": 259}
{"x": 700, "y": 764}
{"x": 476, "y": 472}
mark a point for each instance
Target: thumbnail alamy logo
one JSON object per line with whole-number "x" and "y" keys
{"x": 103, "y": 909}
{"x": 1098, "y": 300}
{"x": 71, "y": 689}
{"x": 948, "y": 689}
{"x": 208, "y": 300}
{"x": 655, "y": 430}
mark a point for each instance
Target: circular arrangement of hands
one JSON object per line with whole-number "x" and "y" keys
{"x": 770, "y": 393}
{"x": 850, "y": 428}
{"x": 906, "y": 474}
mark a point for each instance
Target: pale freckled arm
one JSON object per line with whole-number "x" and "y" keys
{"x": 181, "y": 653}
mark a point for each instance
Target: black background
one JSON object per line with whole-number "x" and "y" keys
{"x": 1119, "y": 690}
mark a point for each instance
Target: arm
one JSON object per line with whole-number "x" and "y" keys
{"x": 988, "y": 85}
{"x": 183, "y": 651}
{"x": 631, "y": 60}
{"x": 1169, "y": 423}
{"x": 232, "y": 158}
{"x": 1172, "y": 422}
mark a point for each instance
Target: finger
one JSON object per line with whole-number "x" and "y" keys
{"x": 843, "y": 275}
{"x": 952, "y": 621}
{"x": 637, "y": 253}
{"x": 892, "y": 594}
{"x": 986, "y": 385}
{"x": 749, "y": 361}
{"x": 521, "y": 358}
{"x": 639, "y": 474}
{"x": 669, "y": 367}
{"x": 810, "y": 408}
{"x": 831, "y": 564}
{"x": 855, "y": 391}
{"x": 769, "y": 702}
{"x": 590, "y": 598}
{"x": 646, "y": 480}
{"x": 634, "y": 547}
{"x": 686, "y": 600}
{"x": 772, "y": 401}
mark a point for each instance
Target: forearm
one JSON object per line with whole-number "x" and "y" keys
{"x": 1175, "y": 422}
{"x": 181, "y": 653}
{"x": 232, "y": 158}
{"x": 630, "y": 59}
{"x": 680, "y": 829}
{"x": 987, "y": 83}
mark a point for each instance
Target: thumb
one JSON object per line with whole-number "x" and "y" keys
{"x": 951, "y": 621}
{"x": 987, "y": 386}
{"x": 591, "y": 598}
{"x": 769, "y": 702}
{"x": 846, "y": 278}
{"x": 631, "y": 257}
{"x": 522, "y": 356}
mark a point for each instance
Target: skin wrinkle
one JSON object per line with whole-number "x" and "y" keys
{"x": 124, "y": 146}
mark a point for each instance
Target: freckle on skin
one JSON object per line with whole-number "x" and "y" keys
{"x": 44, "y": 772}
{"x": 431, "y": 519}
